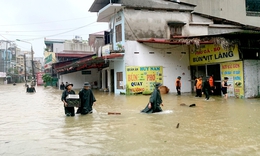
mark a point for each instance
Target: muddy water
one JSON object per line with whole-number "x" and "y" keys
{"x": 35, "y": 124}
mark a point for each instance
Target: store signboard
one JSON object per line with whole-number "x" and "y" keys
{"x": 143, "y": 78}
{"x": 234, "y": 71}
{"x": 211, "y": 53}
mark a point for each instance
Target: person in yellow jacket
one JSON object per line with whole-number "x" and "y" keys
{"x": 198, "y": 86}
{"x": 178, "y": 85}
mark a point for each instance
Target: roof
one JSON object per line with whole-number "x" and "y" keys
{"x": 225, "y": 21}
{"x": 71, "y": 55}
{"x": 84, "y": 63}
{"x": 97, "y": 5}
{"x": 51, "y": 41}
{"x": 176, "y": 41}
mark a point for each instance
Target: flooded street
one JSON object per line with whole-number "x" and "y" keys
{"x": 35, "y": 124}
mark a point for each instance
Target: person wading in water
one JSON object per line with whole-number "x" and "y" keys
{"x": 155, "y": 101}
{"x": 69, "y": 111}
{"x": 199, "y": 87}
{"x": 178, "y": 85}
{"x": 87, "y": 100}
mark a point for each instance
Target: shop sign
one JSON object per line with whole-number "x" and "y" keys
{"x": 39, "y": 78}
{"x": 143, "y": 78}
{"x": 106, "y": 50}
{"x": 213, "y": 54}
{"x": 2, "y": 74}
{"x": 48, "y": 59}
{"x": 234, "y": 71}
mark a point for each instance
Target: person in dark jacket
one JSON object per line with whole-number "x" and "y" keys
{"x": 69, "y": 111}
{"x": 62, "y": 86}
{"x": 155, "y": 101}
{"x": 224, "y": 87}
{"x": 206, "y": 88}
{"x": 87, "y": 99}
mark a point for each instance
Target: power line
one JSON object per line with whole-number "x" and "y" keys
{"x": 69, "y": 30}
{"x": 47, "y": 22}
{"x": 37, "y": 30}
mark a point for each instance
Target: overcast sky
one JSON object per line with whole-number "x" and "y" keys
{"x": 32, "y": 20}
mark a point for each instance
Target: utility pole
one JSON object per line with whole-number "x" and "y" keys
{"x": 33, "y": 76}
{"x": 32, "y": 63}
{"x": 24, "y": 57}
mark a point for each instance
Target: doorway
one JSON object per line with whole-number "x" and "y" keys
{"x": 208, "y": 70}
{"x": 112, "y": 72}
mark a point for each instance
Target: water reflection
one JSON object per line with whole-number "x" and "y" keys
{"x": 35, "y": 124}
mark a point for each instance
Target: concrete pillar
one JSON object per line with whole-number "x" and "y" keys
{"x": 103, "y": 79}
{"x": 109, "y": 80}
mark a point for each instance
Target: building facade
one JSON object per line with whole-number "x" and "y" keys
{"x": 165, "y": 35}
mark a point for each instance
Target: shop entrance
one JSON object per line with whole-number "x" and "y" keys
{"x": 208, "y": 70}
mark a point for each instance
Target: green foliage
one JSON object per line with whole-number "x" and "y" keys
{"x": 47, "y": 78}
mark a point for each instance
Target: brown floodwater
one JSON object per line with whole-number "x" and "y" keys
{"x": 35, "y": 124}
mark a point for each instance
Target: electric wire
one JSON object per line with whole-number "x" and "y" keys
{"x": 47, "y": 22}
{"x": 68, "y": 30}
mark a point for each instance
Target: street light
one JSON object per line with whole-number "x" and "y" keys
{"x": 31, "y": 54}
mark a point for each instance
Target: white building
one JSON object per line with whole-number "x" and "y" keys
{"x": 156, "y": 33}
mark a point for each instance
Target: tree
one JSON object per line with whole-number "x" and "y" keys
{"x": 46, "y": 79}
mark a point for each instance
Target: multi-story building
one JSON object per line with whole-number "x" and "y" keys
{"x": 164, "y": 39}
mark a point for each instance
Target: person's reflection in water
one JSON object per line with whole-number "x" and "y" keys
{"x": 155, "y": 101}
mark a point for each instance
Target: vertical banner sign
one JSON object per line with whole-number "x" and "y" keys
{"x": 39, "y": 78}
{"x": 142, "y": 78}
{"x": 234, "y": 71}
{"x": 211, "y": 53}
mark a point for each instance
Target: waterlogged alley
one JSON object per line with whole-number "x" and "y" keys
{"x": 35, "y": 124}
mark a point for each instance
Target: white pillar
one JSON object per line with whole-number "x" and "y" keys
{"x": 109, "y": 80}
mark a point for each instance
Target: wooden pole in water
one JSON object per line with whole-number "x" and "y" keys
{"x": 178, "y": 125}
{"x": 113, "y": 113}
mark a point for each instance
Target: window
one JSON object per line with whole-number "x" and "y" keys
{"x": 175, "y": 31}
{"x": 119, "y": 80}
{"x": 252, "y": 7}
{"x": 119, "y": 33}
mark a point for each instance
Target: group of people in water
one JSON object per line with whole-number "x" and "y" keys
{"x": 87, "y": 98}
{"x": 207, "y": 87}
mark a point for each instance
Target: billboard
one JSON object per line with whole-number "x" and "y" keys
{"x": 211, "y": 53}
{"x": 142, "y": 78}
{"x": 234, "y": 71}
{"x": 39, "y": 78}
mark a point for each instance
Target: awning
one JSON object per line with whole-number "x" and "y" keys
{"x": 177, "y": 41}
{"x": 86, "y": 63}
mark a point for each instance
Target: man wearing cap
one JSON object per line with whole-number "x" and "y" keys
{"x": 69, "y": 111}
{"x": 87, "y": 99}
{"x": 155, "y": 101}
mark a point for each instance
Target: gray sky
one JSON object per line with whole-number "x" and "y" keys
{"x": 32, "y": 20}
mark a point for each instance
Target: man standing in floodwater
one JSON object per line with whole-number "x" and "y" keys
{"x": 206, "y": 89}
{"x": 178, "y": 85}
{"x": 87, "y": 99}
{"x": 69, "y": 111}
{"x": 155, "y": 101}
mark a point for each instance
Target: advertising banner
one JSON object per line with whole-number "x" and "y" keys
{"x": 39, "y": 78}
{"x": 211, "y": 53}
{"x": 142, "y": 78}
{"x": 234, "y": 71}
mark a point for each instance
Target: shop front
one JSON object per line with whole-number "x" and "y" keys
{"x": 213, "y": 60}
